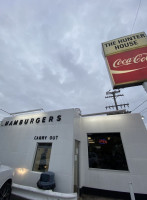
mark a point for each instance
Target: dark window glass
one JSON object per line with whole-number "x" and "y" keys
{"x": 105, "y": 151}
{"x": 42, "y": 158}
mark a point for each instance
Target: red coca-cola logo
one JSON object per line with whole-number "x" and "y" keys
{"x": 129, "y": 61}
{"x": 128, "y": 67}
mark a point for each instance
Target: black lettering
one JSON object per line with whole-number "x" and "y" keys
{"x": 37, "y": 120}
{"x": 6, "y": 123}
{"x": 138, "y": 36}
{"x": 21, "y": 121}
{"x": 11, "y": 123}
{"x": 15, "y": 122}
{"x": 121, "y": 46}
{"x": 36, "y": 137}
{"x": 26, "y": 121}
{"x": 129, "y": 38}
{"x": 43, "y": 119}
{"x": 53, "y": 137}
{"x": 142, "y": 35}
{"x": 134, "y": 37}
{"x": 117, "y": 47}
{"x": 110, "y": 44}
{"x": 39, "y": 137}
{"x": 113, "y": 43}
{"x": 125, "y": 40}
{"x": 106, "y": 44}
{"x": 51, "y": 119}
{"x": 126, "y": 44}
{"x": 32, "y": 120}
{"x": 120, "y": 41}
{"x": 131, "y": 43}
{"x": 135, "y": 42}
{"x": 59, "y": 118}
{"x": 44, "y": 137}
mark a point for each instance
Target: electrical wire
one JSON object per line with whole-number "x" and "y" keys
{"x": 139, "y": 105}
{"x": 4, "y": 111}
{"x": 136, "y": 16}
{"x": 143, "y": 110}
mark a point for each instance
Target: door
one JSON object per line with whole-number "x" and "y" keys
{"x": 76, "y": 166}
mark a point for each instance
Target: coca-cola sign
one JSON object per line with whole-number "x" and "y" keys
{"x": 128, "y": 68}
{"x": 129, "y": 61}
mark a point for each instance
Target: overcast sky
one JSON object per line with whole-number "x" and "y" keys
{"x": 51, "y": 54}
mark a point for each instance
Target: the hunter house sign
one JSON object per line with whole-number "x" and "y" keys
{"x": 126, "y": 59}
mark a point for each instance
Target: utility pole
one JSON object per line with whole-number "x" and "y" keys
{"x": 114, "y": 96}
{"x": 145, "y": 86}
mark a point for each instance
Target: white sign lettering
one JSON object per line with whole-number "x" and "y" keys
{"x": 137, "y": 59}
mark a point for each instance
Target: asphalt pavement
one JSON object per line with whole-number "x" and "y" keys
{"x": 92, "y": 197}
{"x": 84, "y": 197}
{"x": 13, "y": 197}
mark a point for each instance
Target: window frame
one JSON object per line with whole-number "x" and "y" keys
{"x": 35, "y": 154}
{"x": 108, "y": 169}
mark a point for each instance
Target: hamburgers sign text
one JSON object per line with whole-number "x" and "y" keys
{"x": 127, "y": 60}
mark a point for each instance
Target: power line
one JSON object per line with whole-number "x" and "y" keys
{"x": 4, "y": 111}
{"x": 139, "y": 105}
{"x": 143, "y": 110}
{"x": 136, "y": 16}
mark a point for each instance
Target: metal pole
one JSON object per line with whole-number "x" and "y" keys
{"x": 113, "y": 93}
{"x": 131, "y": 191}
{"x": 145, "y": 86}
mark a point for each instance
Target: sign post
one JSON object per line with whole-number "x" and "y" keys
{"x": 145, "y": 86}
{"x": 126, "y": 58}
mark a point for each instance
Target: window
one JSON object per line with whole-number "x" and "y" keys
{"x": 105, "y": 151}
{"x": 42, "y": 158}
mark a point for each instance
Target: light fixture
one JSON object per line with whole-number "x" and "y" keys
{"x": 21, "y": 171}
{"x": 91, "y": 142}
{"x": 142, "y": 117}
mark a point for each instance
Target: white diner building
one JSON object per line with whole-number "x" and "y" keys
{"x": 101, "y": 154}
